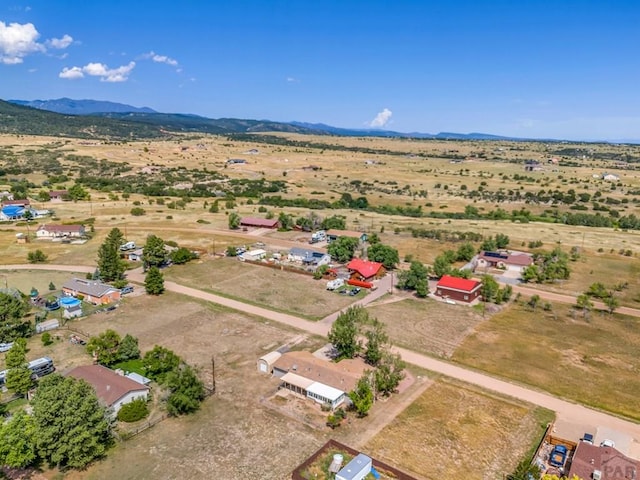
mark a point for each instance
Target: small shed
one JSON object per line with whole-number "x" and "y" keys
{"x": 265, "y": 363}
{"x": 72, "y": 311}
{"x": 47, "y": 325}
{"x": 356, "y": 469}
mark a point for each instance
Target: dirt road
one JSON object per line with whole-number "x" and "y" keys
{"x": 568, "y": 412}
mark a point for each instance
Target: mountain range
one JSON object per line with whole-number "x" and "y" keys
{"x": 194, "y": 123}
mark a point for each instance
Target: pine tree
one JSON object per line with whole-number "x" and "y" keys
{"x": 110, "y": 265}
{"x": 154, "y": 281}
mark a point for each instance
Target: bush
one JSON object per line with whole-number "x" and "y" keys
{"x": 137, "y": 211}
{"x": 133, "y": 411}
{"x": 46, "y": 339}
{"x": 36, "y": 257}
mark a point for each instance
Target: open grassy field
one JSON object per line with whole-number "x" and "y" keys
{"x": 426, "y": 325}
{"x": 24, "y": 280}
{"x": 585, "y": 361}
{"x": 455, "y": 431}
{"x": 278, "y": 290}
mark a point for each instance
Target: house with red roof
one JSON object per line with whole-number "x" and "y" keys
{"x": 112, "y": 389}
{"x": 259, "y": 222}
{"x": 365, "y": 270}
{"x": 458, "y": 289}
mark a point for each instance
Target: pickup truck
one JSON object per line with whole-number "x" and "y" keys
{"x": 558, "y": 456}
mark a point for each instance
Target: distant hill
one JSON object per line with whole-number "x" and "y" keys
{"x": 21, "y": 120}
{"x": 177, "y": 122}
{"x": 69, "y": 106}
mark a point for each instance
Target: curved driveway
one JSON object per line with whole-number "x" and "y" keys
{"x": 573, "y": 414}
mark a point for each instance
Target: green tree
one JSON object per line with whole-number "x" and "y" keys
{"x": 412, "y": 278}
{"x": 52, "y": 286}
{"x": 72, "y": 427}
{"x": 502, "y": 240}
{"x": 489, "y": 245}
{"x": 362, "y": 396}
{"x": 377, "y": 343}
{"x": 525, "y": 470}
{"x": 12, "y": 310}
{"x": 17, "y": 355}
{"x": 154, "y": 253}
{"x": 465, "y": 252}
{"x": 154, "y": 281}
{"x": 104, "y": 347}
{"x": 422, "y": 288}
{"x": 18, "y": 380}
{"x": 489, "y": 288}
{"x": 182, "y": 255}
{"x": 128, "y": 348}
{"x": 611, "y": 302}
{"x": 336, "y": 222}
{"x": 384, "y": 254}
{"x": 43, "y": 196}
{"x": 46, "y": 339}
{"x": 18, "y": 441}
{"x": 441, "y": 266}
{"x": 345, "y": 330}
{"x": 585, "y": 304}
{"x": 37, "y": 256}
{"x": 286, "y": 221}
{"x": 597, "y": 290}
{"x": 110, "y": 265}
{"x": 187, "y": 390}
{"x": 343, "y": 249}
{"x": 158, "y": 362}
{"x": 215, "y": 207}
{"x": 232, "y": 251}
{"x": 77, "y": 192}
{"x": 533, "y": 302}
{"x": 234, "y": 221}
{"x": 389, "y": 373}
{"x": 137, "y": 211}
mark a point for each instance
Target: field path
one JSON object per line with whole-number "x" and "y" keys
{"x": 568, "y": 412}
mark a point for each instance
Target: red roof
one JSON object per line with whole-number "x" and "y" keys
{"x": 458, "y": 283}
{"x": 259, "y": 222}
{"x": 364, "y": 267}
{"x": 62, "y": 228}
{"x": 15, "y": 202}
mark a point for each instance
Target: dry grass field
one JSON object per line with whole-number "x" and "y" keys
{"x": 582, "y": 360}
{"x": 455, "y": 431}
{"x": 426, "y": 325}
{"x": 293, "y": 293}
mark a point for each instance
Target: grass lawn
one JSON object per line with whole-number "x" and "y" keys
{"x": 456, "y": 431}
{"x": 426, "y": 325}
{"x": 585, "y": 361}
{"x": 23, "y": 280}
{"x": 267, "y": 287}
{"x": 131, "y": 366}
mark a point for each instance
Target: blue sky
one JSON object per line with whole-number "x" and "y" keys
{"x": 552, "y": 69}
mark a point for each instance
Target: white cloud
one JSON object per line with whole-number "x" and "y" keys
{"x": 71, "y": 73}
{"x": 382, "y": 118}
{"x": 95, "y": 69}
{"x": 292, "y": 80}
{"x": 160, "y": 58}
{"x": 17, "y": 41}
{"x": 60, "y": 43}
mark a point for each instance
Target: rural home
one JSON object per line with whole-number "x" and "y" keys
{"x": 365, "y": 270}
{"x": 58, "y": 195}
{"x": 357, "y": 469}
{"x": 459, "y": 289}
{"x": 610, "y": 177}
{"x": 93, "y": 292}
{"x": 333, "y": 235}
{"x": 51, "y": 231}
{"x": 254, "y": 255}
{"x": 259, "y": 222}
{"x": 16, "y": 203}
{"x": 308, "y": 257}
{"x": 515, "y": 262}
{"x": 135, "y": 255}
{"x": 112, "y": 390}
{"x": 323, "y": 381}
{"x": 602, "y": 463}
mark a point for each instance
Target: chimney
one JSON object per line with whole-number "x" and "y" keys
{"x": 108, "y": 387}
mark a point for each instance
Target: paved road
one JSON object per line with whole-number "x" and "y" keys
{"x": 568, "y": 412}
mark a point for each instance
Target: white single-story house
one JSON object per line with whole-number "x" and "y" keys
{"x": 254, "y": 255}
{"x": 112, "y": 390}
{"x": 308, "y": 256}
{"x": 60, "y": 231}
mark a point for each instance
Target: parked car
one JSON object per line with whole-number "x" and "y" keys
{"x": 558, "y": 456}
{"x": 587, "y": 438}
{"x": 608, "y": 443}
{"x": 344, "y": 291}
{"x": 355, "y": 291}
{"x": 127, "y": 289}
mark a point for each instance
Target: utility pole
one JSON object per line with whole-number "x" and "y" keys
{"x": 213, "y": 374}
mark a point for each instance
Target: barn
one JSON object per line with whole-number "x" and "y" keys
{"x": 259, "y": 222}
{"x": 458, "y": 289}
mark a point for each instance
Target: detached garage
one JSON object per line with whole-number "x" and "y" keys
{"x": 265, "y": 363}
{"x": 459, "y": 289}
